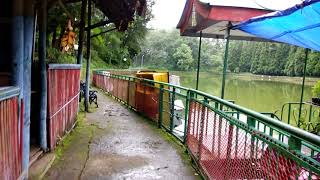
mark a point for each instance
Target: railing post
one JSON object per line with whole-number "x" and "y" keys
{"x": 160, "y": 105}
{"x": 173, "y": 96}
{"x": 251, "y": 122}
{"x": 203, "y": 114}
{"x": 128, "y": 92}
{"x": 294, "y": 143}
{"x": 186, "y": 115}
{"x": 289, "y": 113}
{"x": 144, "y": 97}
{"x": 310, "y": 113}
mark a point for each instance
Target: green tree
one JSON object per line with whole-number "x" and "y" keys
{"x": 183, "y": 57}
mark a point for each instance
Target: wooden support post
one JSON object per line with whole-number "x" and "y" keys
{"x": 17, "y": 54}
{"x": 81, "y": 31}
{"x": 28, "y": 41}
{"x": 43, "y": 74}
{"x": 86, "y": 101}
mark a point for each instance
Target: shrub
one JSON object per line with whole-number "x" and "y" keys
{"x": 316, "y": 90}
{"x": 57, "y": 57}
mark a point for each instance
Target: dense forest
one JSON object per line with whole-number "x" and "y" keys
{"x": 271, "y": 59}
{"x": 168, "y": 50}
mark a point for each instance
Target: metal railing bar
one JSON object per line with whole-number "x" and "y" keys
{"x": 8, "y": 92}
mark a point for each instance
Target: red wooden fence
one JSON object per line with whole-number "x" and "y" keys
{"x": 63, "y": 99}
{"x": 10, "y": 134}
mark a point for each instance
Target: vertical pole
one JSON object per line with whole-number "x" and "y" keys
{"x": 303, "y": 81}
{"x": 225, "y": 62}
{"x": 28, "y": 44}
{"x": 35, "y": 20}
{"x": 160, "y": 105}
{"x": 86, "y": 102}
{"x": 199, "y": 57}
{"x": 43, "y": 73}
{"x": 186, "y": 116}
{"x": 17, "y": 50}
{"x": 141, "y": 61}
{"x": 81, "y": 31}
{"x": 172, "y": 115}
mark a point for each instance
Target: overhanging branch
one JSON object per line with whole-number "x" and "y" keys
{"x": 109, "y": 30}
{"x": 101, "y": 23}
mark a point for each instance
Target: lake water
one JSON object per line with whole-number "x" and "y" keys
{"x": 259, "y": 95}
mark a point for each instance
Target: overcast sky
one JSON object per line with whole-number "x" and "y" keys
{"x": 167, "y": 13}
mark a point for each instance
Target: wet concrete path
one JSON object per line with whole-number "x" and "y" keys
{"x": 116, "y": 143}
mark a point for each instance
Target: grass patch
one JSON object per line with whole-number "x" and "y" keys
{"x": 69, "y": 138}
{"x": 95, "y": 64}
{"x": 82, "y": 128}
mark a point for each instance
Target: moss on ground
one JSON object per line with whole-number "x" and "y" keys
{"x": 82, "y": 128}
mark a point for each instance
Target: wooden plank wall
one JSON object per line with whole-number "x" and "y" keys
{"x": 10, "y": 138}
{"x": 63, "y": 101}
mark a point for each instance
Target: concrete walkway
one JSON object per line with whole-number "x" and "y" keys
{"x": 116, "y": 143}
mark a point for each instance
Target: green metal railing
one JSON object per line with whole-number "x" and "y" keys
{"x": 309, "y": 117}
{"x": 227, "y": 141}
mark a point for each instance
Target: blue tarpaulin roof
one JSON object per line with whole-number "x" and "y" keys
{"x": 299, "y": 25}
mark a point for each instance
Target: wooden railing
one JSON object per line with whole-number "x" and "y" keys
{"x": 63, "y": 99}
{"x": 10, "y": 133}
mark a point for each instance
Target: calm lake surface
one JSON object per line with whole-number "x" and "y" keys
{"x": 262, "y": 95}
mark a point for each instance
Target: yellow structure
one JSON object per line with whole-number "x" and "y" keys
{"x": 150, "y": 96}
{"x": 155, "y": 76}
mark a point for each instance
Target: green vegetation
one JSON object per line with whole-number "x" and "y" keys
{"x": 81, "y": 127}
{"x": 82, "y": 132}
{"x": 108, "y": 50}
{"x": 56, "y": 57}
{"x": 316, "y": 90}
{"x": 167, "y": 50}
{"x": 271, "y": 59}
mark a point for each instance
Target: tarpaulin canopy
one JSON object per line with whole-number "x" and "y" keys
{"x": 298, "y": 25}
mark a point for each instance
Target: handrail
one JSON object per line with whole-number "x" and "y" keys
{"x": 8, "y": 92}
{"x": 289, "y": 103}
{"x": 298, "y": 133}
{"x": 64, "y": 66}
{"x": 151, "y": 81}
{"x": 277, "y": 124}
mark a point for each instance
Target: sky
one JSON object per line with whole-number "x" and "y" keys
{"x": 167, "y": 13}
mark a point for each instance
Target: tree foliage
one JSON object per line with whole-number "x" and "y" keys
{"x": 168, "y": 50}
{"x": 271, "y": 59}
{"x": 111, "y": 47}
{"x": 183, "y": 56}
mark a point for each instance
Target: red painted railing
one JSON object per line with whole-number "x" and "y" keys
{"x": 63, "y": 100}
{"x": 10, "y": 134}
{"x": 226, "y": 141}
